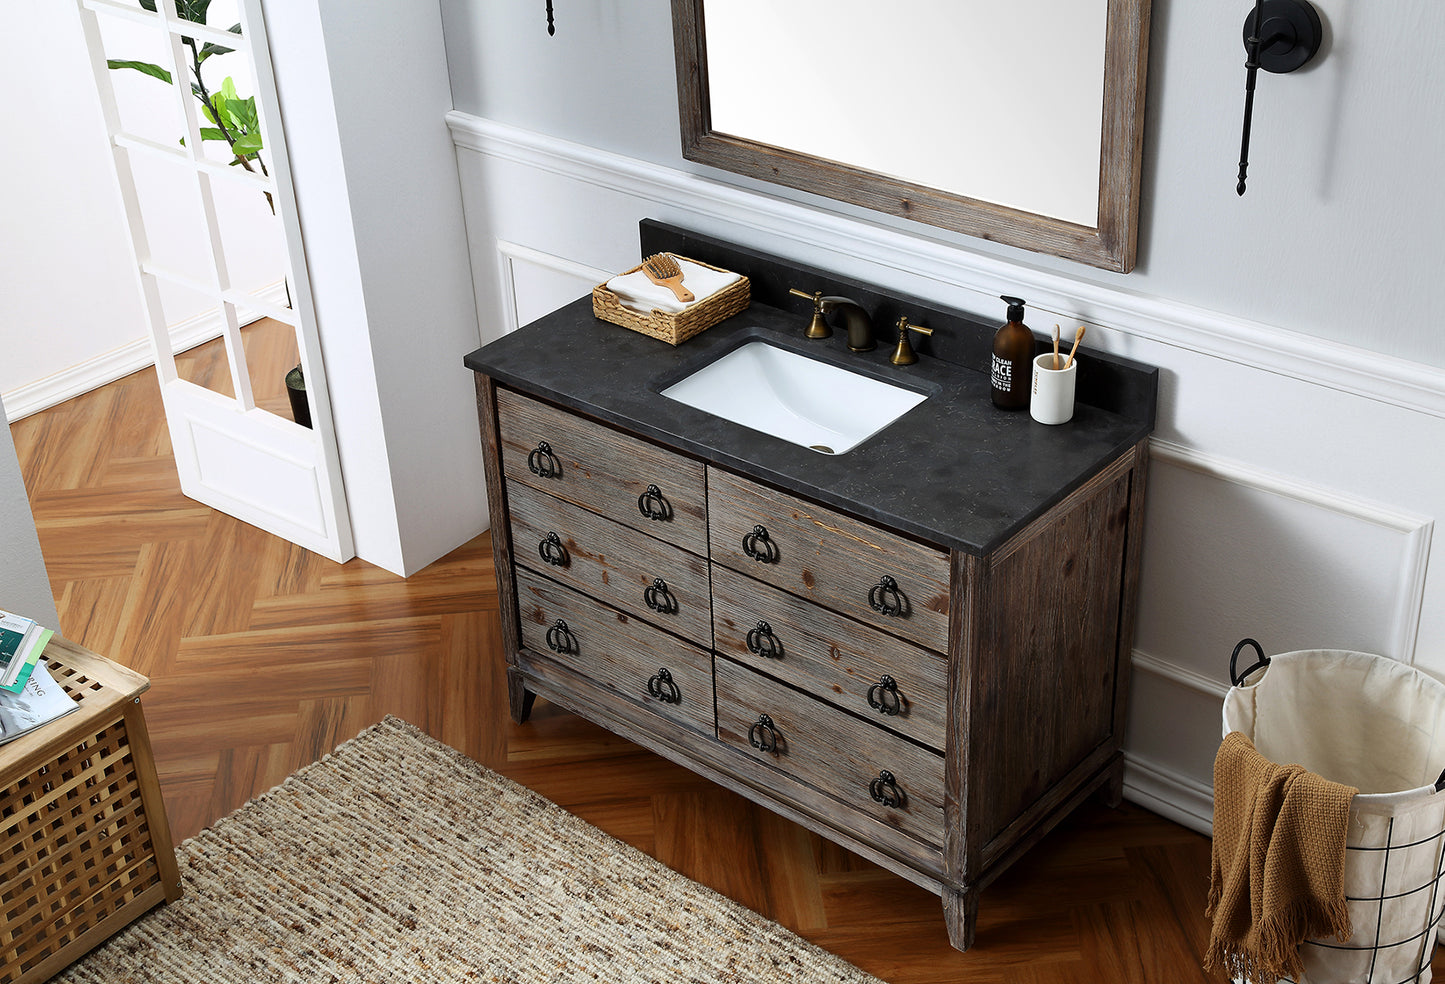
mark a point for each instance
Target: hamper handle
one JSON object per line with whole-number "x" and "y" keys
{"x": 1263, "y": 660}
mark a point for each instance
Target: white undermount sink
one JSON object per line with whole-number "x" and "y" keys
{"x": 791, "y": 396}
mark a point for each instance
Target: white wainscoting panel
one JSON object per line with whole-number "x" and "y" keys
{"x": 665, "y": 192}
{"x": 535, "y": 283}
{"x": 1231, "y": 552}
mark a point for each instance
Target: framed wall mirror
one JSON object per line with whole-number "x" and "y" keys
{"x": 1019, "y": 121}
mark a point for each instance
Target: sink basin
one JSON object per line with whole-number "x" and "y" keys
{"x": 798, "y": 399}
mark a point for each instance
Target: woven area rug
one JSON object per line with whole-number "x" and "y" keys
{"x": 396, "y": 859}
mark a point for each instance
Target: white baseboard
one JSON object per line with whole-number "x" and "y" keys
{"x": 1172, "y": 795}
{"x": 134, "y": 356}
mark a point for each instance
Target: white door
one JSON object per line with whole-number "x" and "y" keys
{"x": 232, "y": 454}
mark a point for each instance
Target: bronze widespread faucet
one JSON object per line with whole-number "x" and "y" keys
{"x": 857, "y": 320}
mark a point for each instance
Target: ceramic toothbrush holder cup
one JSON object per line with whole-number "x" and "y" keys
{"x": 1051, "y": 400}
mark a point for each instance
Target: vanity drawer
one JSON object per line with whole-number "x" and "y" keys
{"x": 830, "y": 558}
{"x": 830, "y": 656}
{"x": 639, "y": 574}
{"x": 835, "y": 752}
{"x": 623, "y": 478}
{"x": 619, "y": 652}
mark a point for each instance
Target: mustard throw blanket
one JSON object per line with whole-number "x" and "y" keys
{"x": 1277, "y": 866}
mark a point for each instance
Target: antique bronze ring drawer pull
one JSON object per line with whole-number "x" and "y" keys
{"x": 764, "y": 735}
{"x": 885, "y": 790}
{"x": 661, "y": 687}
{"x": 654, "y": 505}
{"x": 762, "y": 642}
{"x": 561, "y": 640}
{"x": 885, "y": 598}
{"x": 659, "y": 599}
{"x": 884, "y": 698}
{"x": 757, "y": 546}
{"x": 552, "y": 551}
{"x": 541, "y": 461}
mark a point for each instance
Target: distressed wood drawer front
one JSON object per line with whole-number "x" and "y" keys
{"x": 612, "y": 562}
{"x": 617, "y": 651}
{"x": 830, "y": 656}
{"x": 835, "y": 752}
{"x": 832, "y": 559}
{"x": 624, "y": 478}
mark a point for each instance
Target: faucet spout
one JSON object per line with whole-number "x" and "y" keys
{"x": 856, "y": 320}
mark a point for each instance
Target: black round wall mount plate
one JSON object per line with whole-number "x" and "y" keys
{"x": 1292, "y": 34}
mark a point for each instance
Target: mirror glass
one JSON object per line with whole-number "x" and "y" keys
{"x": 1016, "y": 121}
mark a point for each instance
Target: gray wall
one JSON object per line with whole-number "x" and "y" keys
{"x": 1337, "y": 237}
{"x": 24, "y": 587}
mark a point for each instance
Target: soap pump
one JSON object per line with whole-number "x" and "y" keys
{"x": 1013, "y": 356}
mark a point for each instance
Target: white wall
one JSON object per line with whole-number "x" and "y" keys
{"x": 65, "y": 269}
{"x": 1294, "y": 492}
{"x": 364, "y": 94}
{"x": 72, "y": 318}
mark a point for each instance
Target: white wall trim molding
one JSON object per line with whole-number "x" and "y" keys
{"x": 509, "y": 254}
{"x": 1169, "y": 793}
{"x": 109, "y": 366}
{"x": 1181, "y": 675}
{"x": 1417, "y": 531}
{"x": 1386, "y": 379}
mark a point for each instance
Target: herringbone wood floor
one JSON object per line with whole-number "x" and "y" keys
{"x": 262, "y": 657}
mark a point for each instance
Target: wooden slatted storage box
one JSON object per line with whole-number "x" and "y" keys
{"x": 84, "y": 843}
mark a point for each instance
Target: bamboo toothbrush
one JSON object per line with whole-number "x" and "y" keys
{"x": 1056, "y": 348}
{"x": 1078, "y": 337}
{"x": 662, "y": 269}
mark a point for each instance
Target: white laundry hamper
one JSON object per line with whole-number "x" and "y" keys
{"x": 1378, "y": 725}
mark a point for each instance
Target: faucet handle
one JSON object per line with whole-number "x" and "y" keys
{"x": 904, "y": 355}
{"x": 818, "y": 327}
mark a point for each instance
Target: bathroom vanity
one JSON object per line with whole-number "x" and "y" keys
{"x": 918, "y": 648}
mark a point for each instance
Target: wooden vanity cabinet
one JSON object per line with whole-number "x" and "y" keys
{"x": 936, "y": 711}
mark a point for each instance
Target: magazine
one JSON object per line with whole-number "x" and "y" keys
{"x": 39, "y": 702}
{"x": 22, "y": 640}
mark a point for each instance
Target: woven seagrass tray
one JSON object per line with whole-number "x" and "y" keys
{"x": 674, "y": 328}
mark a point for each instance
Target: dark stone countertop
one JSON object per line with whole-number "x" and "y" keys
{"x": 954, "y": 471}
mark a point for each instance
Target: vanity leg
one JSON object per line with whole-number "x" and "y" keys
{"x": 960, "y": 913}
{"x": 519, "y": 697}
{"x": 1112, "y": 792}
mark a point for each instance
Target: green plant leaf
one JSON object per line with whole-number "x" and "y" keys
{"x": 247, "y": 145}
{"x": 245, "y": 109}
{"x": 145, "y": 68}
{"x": 193, "y": 10}
{"x": 212, "y": 133}
{"x": 231, "y": 106}
{"x": 211, "y": 48}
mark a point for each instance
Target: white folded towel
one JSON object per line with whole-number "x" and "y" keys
{"x": 640, "y": 294}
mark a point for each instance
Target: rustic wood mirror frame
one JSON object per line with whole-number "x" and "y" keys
{"x": 1109, "y": 244}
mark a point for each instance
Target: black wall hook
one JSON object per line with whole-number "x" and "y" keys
{"x": 1280, "y": 36}
{"x": 551, "y": 22}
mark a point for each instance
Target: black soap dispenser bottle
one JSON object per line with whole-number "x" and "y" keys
{"x": 1013, "y": 356}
